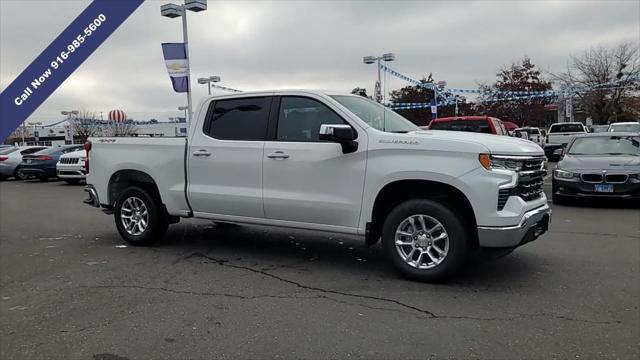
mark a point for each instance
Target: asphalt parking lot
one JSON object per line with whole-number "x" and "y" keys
{"x": 71, "y": 289}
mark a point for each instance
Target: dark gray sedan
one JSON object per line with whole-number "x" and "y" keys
{"x": 599, "y": 165}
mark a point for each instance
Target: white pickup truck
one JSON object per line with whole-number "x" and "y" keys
{"x": 328, "y": 162}
{"x": 559, "y": 135}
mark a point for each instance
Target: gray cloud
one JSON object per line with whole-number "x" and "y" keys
{"x": 261, "y": 45}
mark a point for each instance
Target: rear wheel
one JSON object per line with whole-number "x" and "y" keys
{"x": 19, "y": 174}
{"x": 140, "y": 217}
{"x": 425, "y": 240}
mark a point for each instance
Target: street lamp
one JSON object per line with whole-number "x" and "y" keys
{"x": 34, "y": 129}
{"x": 208, "y": 81}
{"x": 68, "y": 114}
{"x": 373, "y": 59}
{"x": 185, "y": 108}
{"x": 174, "y": 11}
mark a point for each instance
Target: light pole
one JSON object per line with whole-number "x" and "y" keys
{"x": 373, "y": 59}
{"x": 68, "y": 114}
{"x": 34, "y": 128}
{"x": 174, "y": 11}
{"x": 185, "y": 108}
{"x": 208, "y": 81}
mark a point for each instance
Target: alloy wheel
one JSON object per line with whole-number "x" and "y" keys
{"x": 422, "y": 241}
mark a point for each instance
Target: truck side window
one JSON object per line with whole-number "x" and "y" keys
{"x": 300, "y": 118}
{"x": 239, "y": 119}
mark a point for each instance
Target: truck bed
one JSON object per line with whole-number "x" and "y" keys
{"x": 163, "y": 158}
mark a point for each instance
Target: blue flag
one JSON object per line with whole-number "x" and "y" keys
{"x": 175, "y": 57}
{"x": 60, "y": 59}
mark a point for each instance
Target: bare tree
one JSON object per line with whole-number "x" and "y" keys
{"x": 127, "y": 128}
{"x": 85, "y": 124}
{"x": 605, "y": 81}
{"x": 18, "y": 134}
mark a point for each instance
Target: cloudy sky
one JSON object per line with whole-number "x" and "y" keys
{"x": 318, "y": 44}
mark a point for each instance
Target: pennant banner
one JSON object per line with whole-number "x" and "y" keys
{"x": 175, "y": 57}
{"x": 60, "y": 59}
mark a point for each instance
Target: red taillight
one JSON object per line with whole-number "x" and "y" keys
{"x": 87, "y": 148}
{"x": 44, "y": 158}
{"x": 3, "y": 158}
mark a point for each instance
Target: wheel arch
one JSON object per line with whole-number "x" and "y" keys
{"x": 122, "y": 179}
{"x": 398, "y": 191}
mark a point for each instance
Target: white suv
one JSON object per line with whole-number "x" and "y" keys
{"x": 71, "y": 167}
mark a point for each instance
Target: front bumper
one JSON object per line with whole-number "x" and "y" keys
{"x": 533, "y": 224}
{"x": 578, "y": 188}
{"x": 74, "y": 171}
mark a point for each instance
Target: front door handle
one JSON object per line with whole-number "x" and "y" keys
{"x": 278, "y": 155}
{"x": 201, "y": 153}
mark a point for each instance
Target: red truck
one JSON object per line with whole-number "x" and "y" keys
{"x": 479, "y": 124}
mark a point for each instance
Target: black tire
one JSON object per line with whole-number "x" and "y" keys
{"x": 72, "y": 181}
{"x": 458, "y": 239}
{"x": 18, "y": 174}
{"x": 157, "y": 220}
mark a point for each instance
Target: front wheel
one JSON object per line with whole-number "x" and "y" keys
{"x": 425, "y": 240}
{"x": 140, "y": 217}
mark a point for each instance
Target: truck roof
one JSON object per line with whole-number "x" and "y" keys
{"x": 282, "y": 92}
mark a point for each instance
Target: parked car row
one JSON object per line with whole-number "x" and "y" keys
{"x": 44, "y": 163}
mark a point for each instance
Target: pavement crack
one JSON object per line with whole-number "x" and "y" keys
{"x": 312, "y": 288}
{"x": 428, "y": 313}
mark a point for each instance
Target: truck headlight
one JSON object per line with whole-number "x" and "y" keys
{"x": 490, "y": 162}
{"x": 563, "y": 174}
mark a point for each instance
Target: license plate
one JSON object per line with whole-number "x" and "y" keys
{"x": 604, "y": 188}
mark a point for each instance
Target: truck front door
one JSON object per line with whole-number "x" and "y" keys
{"x": 308, "y": 180}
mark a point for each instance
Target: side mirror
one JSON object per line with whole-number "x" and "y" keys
{"x": 344, "y": 135}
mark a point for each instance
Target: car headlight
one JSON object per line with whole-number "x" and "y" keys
{"x": 490, "y": 162}
{"x": 563, "y": 174}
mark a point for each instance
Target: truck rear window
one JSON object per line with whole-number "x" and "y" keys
{"x": 561, "y": 128}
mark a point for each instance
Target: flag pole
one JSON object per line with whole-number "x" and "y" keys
{"x": 186, "y": 50}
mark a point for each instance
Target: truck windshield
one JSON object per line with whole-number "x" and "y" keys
{"x": 376, "y": 115}
{"x": 606, "y": 145}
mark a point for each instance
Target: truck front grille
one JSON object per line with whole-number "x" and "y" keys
{"x": 530, "y": 182}
{"x": 69, "y": 160}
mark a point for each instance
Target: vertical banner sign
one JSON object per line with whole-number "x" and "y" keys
{"x": 175, "y": 57}
{"x": 61, "y": 58}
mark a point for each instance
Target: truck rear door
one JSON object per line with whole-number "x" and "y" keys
{"x": 225, "y": 158}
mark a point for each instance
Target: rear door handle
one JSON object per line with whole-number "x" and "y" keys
{"x": 278, "y": 155}
{"x": 201, "y": 153}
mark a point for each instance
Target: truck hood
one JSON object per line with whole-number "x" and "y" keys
{"x": 495, "y": 144}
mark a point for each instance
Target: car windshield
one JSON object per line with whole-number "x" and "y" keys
{"x": 606, "y": 145}
{"x": 625, "y": 127}
{"x": 376, "y": 115}
{"x": 562, "y": 128}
